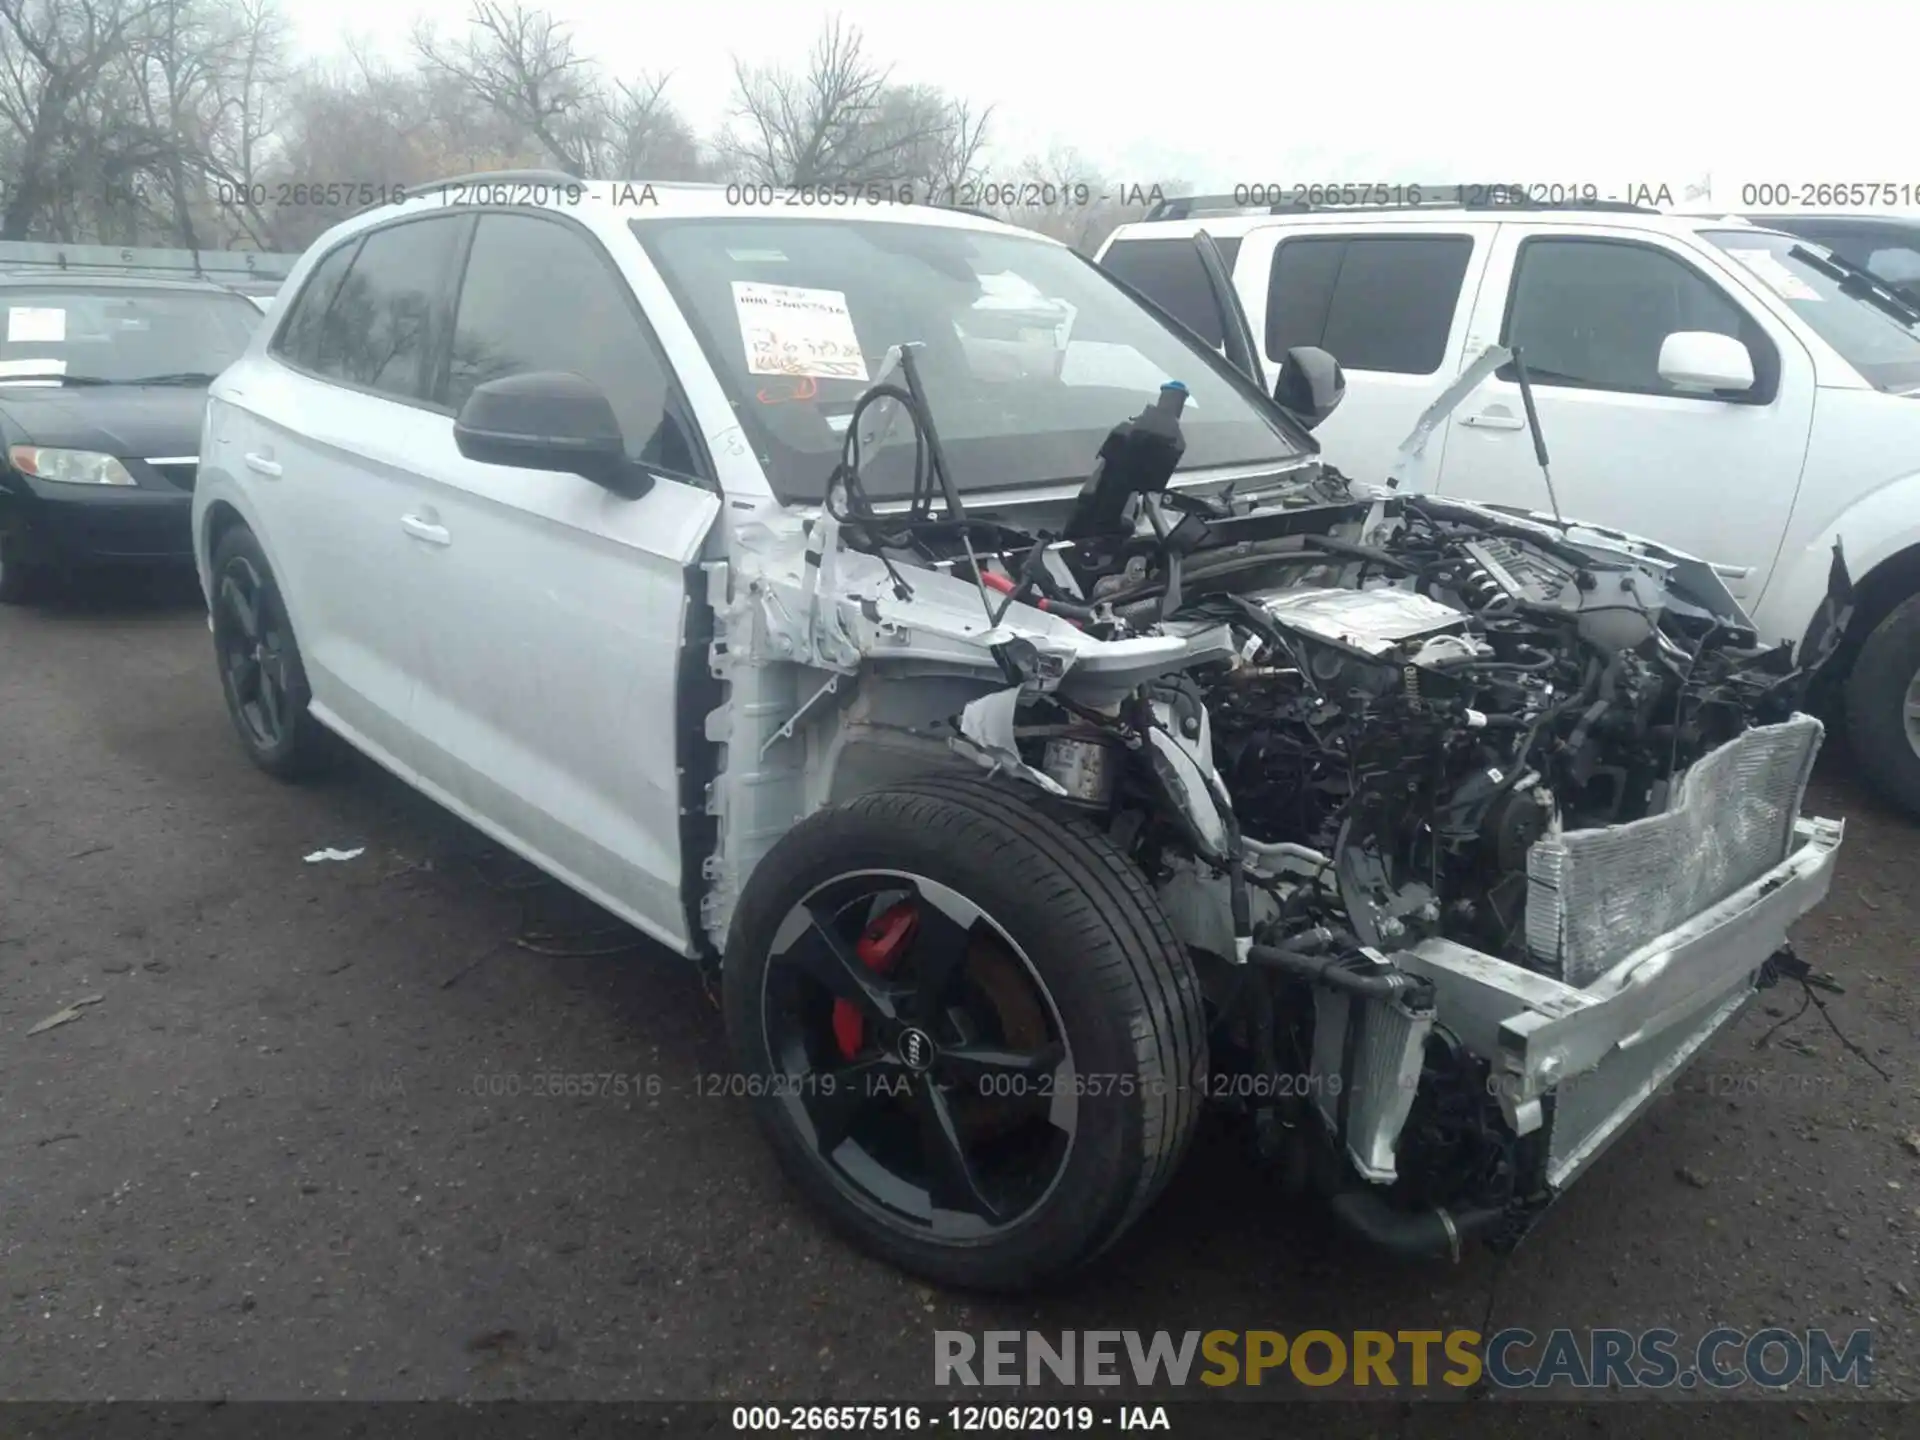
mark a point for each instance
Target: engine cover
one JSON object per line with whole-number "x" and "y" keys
{"x": 1371, "y": 622}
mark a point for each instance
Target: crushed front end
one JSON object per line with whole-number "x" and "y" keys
{"x": 1476, "y": 827}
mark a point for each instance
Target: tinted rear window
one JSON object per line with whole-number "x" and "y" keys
{"x": 1375, "y": 303}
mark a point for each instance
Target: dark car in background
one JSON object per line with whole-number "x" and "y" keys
{"x": 1888, "y": 246}
{"x": 103, "y": 381}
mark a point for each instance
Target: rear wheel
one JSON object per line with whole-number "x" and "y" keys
{"x": 966, "y": 1028}
{"x": 1883, "y": 705}
{"x": 260, "y": 670}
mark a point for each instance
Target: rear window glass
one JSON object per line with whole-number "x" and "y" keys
{"x": 1375, "y": 303}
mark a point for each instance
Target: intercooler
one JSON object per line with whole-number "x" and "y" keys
{"x": 1596, "y": 896}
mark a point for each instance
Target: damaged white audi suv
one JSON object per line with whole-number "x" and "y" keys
{"x": 888, "y": 609}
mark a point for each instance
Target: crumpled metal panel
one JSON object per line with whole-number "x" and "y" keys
{"x": 1595, "y": 896}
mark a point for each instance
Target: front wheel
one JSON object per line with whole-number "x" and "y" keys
{"x": 1883, "y": 706}
{"x": 966, "y": 1028}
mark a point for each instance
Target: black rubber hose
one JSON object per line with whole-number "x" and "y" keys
{"x": 1359, "y": 552}
{"x": 1331, "y": 971}
{"x": 1409, "y": 1234}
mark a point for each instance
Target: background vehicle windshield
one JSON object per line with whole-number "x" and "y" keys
{"x": 1030, "y": 354}
{"x": 120, "y": 333}
{"x": 1879, "y": 344}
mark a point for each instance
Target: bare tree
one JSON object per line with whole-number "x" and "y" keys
{"x": 53, "y": 57}
{"x": 1066, "y": 196}
{"x": 247, "y": 95}
{"x": 175, "y": 57}
{"x": 362, "y": 127}
{"x": 522, "y": 64}
{"x": 648, "y": 138}
{"x": 844, "y": 122}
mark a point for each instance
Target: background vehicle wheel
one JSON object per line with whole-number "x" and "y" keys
{"x": 260, "y": 670}
{"x": 966, "y": 1028}
{"x": 1883, "y": 705}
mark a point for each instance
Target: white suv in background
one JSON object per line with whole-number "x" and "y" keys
{"x": 1744, "y": 394}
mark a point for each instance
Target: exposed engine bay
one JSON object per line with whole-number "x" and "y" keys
{"x": 1418, "y": 783}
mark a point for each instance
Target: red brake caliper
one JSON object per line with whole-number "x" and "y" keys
{"x": 879, "y": 949}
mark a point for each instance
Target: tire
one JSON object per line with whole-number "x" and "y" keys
{"x": 1883, "y": 706}
{"x": 1118, "y": 995}
{"x": 295, "y": 746}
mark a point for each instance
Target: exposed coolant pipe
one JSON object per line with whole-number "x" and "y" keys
{"x": 1296, "y": 956}
{"x": 1410, "y": 1234}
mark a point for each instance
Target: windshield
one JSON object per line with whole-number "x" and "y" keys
{"x": 1030, "y": 354}
{"x": 120, "y": 334}
{"x": 1882, "y": 345}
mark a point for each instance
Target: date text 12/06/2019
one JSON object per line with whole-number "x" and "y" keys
{"x": 1392, "y": 194}
{"x": 993, "y": 195}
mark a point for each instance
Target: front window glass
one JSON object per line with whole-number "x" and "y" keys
{"x": 538, "y": 295}
{"x": 1029, "y": 355}
{"x": 1874, "y": 337}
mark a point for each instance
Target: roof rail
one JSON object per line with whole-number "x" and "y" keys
{"x": 34, "y": 255}
{"x": 1416, "y": 197}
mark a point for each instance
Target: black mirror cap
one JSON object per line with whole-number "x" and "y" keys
{"x": 549, "y": 420}
{"x": 1310, "y": 385}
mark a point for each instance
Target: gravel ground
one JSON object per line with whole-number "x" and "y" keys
{"x": 300, "y": 1148}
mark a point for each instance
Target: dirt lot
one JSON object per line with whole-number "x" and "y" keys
{"x": 302, "y": 1145}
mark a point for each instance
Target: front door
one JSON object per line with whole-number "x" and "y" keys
{"x": 1709, "y": 474}
{"x": 555, "y": 610}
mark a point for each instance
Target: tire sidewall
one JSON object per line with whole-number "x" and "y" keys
{"x": 1106, "y": 1155}
{"x": 296, "y": 744}
{"x": 1876, "y": 705}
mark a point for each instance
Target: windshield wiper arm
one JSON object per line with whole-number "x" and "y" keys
{"x": 177, "y": 377}
{"x": 1858, "y": 280}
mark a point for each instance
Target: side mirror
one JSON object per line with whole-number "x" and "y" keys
{"x": 1311, "y": 384}
{"x": 1705, "y": 360}
{"x": 549, "y": 420}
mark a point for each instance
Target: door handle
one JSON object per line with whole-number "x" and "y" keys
{"x": 425, "y": 530}
{"x": 1493, "y": 420}
{"x": 269, "y": 468}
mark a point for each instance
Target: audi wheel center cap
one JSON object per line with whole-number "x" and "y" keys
{"x": 916, "y": 1048}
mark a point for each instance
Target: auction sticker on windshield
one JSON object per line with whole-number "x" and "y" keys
{"x": 791, "y": 330}
{"x": 35, "y": 325}
{"x": 1785, "y": 284}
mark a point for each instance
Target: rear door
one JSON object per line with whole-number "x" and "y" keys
{"x": 1588, "y": 310}
{"x": 1390, "y": 301}
{"x": 327, "y": 429}
{"x": 555, "y": 610}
